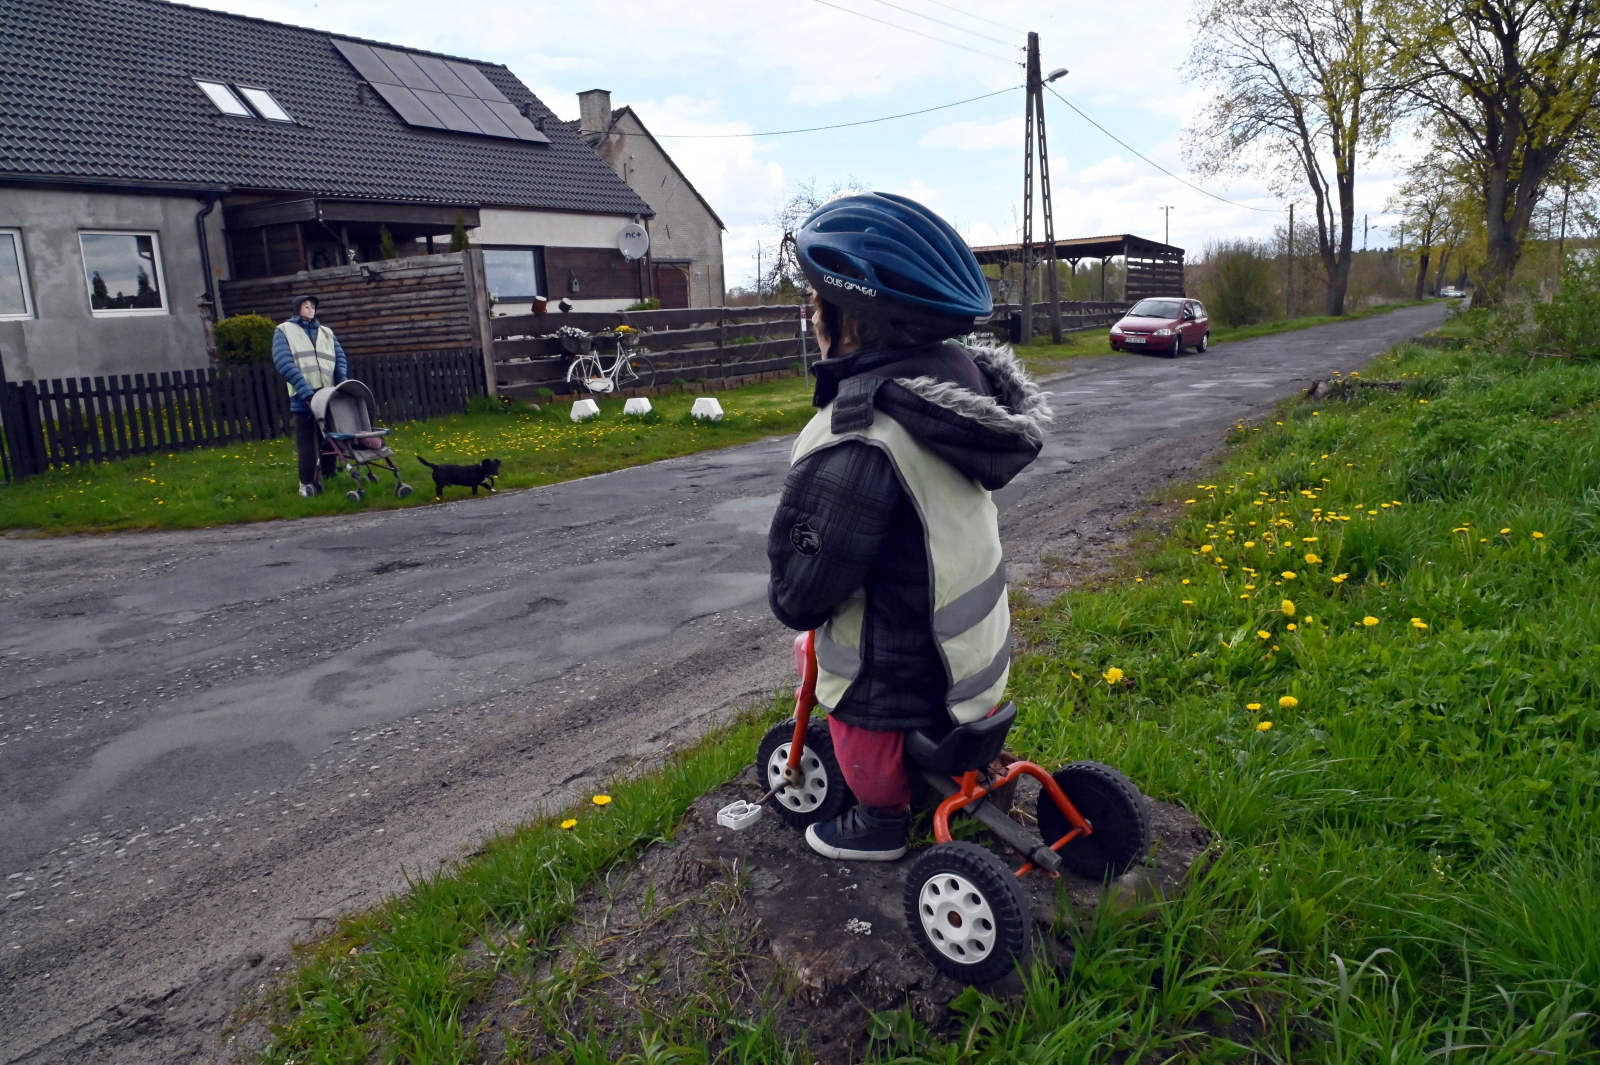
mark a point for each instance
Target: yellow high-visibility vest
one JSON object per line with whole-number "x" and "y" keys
{"x": 315, "y": 362}
{"x": 971, "y": 615}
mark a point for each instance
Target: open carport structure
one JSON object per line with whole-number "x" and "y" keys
{"x": 1151, "y": 268}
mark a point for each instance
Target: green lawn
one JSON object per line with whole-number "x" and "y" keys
{"x": 258, "y": 481}
{"x": 1366, "y": 658}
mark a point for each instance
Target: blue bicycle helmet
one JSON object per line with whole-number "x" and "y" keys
{"x": 888, "y": 258}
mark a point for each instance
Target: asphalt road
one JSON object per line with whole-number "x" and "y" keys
{"x": 212, "y": 742}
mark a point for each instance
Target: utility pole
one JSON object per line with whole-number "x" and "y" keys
{"x": 758, "y": 273}
{"x": 1290, "y": 285}
{"x": 1166, "y": 212}
{"x": 1034, "y": 132}
{"x": 1364, "y": 219}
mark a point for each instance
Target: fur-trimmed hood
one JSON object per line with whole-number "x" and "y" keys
{"x": 972, "y": 404}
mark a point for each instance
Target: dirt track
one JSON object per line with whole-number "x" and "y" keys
{"x": 211, "y": 742}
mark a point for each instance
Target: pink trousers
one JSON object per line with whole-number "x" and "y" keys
{"x": 874, "y": 765}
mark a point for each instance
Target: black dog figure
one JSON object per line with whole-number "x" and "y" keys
{"x": 479, "y": 473}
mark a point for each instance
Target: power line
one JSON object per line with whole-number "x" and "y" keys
{"x": 839, "y": 125}
{"x": 1152, "y": 162}
{"x": 919, "y": 33}
{"x": 980, "y": 18}
{"x": 942, "y": 22}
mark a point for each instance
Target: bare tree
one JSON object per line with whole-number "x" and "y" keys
{"x": 1514, "y": 85}
{"x": 1305, "y": 84}
{"x": 784, "y": 279}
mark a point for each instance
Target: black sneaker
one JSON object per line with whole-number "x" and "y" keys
{"x": 863, "y": 834}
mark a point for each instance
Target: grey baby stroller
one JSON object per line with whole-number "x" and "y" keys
{"x": 344, "y": 416}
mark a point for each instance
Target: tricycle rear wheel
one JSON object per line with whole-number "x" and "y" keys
{"x": 1114, "y": 808}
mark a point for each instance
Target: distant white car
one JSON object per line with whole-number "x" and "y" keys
{"x": 1452, "y": 293}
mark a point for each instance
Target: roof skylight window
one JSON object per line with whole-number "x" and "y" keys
{"x": 265, "y": 105}
{"x": 223, "y": 97}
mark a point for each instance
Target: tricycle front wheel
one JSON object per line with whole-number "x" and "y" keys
{"x": 967, "y": 912}
{"x": 823, "y": 795}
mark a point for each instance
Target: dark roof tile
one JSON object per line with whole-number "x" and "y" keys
{"x": 102, "y": 88}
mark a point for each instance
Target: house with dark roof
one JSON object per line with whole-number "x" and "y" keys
{"x": 150, "y": 151}
{"x": 686, "y": 234}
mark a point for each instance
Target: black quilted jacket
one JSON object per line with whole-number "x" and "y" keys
{"x": 844, "y": 522}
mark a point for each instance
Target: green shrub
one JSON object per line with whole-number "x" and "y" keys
{"x": 1570, "y": 323}
{"x": 244, "y": 339}
{"x": 1237, "y": 283}
{"x": 651, "y": 304}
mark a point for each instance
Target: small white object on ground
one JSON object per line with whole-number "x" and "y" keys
{"x": 584, "y": 409}
{"x": 858, "y": 927}
{"x": 706, "y": 407}
{"x": 636, "y": 405}
{"x": 739, "y": 815}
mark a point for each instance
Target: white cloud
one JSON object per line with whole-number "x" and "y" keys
{"x": 976, "y": 136}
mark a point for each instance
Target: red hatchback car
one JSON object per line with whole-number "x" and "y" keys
{"x": 1167, "y": 324}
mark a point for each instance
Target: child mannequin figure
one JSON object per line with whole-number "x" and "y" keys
{"x": 885, "y": 540}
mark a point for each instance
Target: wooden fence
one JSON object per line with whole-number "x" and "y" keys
{"x": 100, "y": 419}
{"x": 684, "y": 345}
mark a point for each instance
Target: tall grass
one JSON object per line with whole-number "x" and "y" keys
{"x": 1366, "y": 658}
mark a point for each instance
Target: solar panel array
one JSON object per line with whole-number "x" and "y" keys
{"x": 435, "y": 93}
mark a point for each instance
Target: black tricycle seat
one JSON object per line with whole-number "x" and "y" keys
{"x": 965, "y": 747}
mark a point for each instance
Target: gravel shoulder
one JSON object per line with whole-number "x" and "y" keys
{"x": 213, "y": 742}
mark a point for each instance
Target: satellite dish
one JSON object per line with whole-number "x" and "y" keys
{"x": 633, "y": 241}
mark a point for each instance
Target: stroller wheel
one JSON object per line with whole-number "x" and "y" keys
{"x": 403, "y": 490}
{"x": 354, "y": 495}
{"x": 372, "y": 478}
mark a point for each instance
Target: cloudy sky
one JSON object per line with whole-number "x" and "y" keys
{"x": 749, "y": 69}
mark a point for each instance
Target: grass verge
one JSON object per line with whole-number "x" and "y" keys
{"x": 1366, "y": 657}
{"x": 257, "y": 481}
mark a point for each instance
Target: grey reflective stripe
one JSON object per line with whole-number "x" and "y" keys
{"x": 836, "y": 658}
{"x": 970, "y": 607}
{"x": 975, "y": 685}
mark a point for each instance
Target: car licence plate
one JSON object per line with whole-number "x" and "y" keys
{"x": 1133, "y": 340}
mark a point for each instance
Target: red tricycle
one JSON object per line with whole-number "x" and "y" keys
{"x": 963, "y": 904}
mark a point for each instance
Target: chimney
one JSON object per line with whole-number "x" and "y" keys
{"x": 594, "y": 114}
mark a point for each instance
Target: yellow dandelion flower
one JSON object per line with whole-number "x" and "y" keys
{"x": 1252, "y": 706}
{"x": 1292, "y": 626}
{"x": 1537, "y": 535}
{"x": 1288, "y": 607}
{"x": 1250, "y": 543}
{"x": 1205, "y": 549}
{"x": 601, "y": 800}
{"x": 1289, "y": 575}
{"x": 1505, "y": 532}
{"x": 1113, "y": 675}
{"x": 1341, "y": 578}
{"x": 1369, "y": 621}
{"x": 1312, "y": 560}
{"x": 1264, "y": 634}
{"x": 1186, "y": 580}
{"x": 1418, "y": 623}
{"x": 1188, "y": 602}
{"x": 1263, "y": 726}
{"x": 1288, "y": 702}
{"x": 571, "y": 822}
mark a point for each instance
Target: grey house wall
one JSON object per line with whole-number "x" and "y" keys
{"x": 63, "y": 339}
{"x": 683, "y": 229}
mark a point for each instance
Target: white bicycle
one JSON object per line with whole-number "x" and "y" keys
{"x": 627, "y": 369}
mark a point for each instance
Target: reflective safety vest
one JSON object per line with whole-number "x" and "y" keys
{"x": 315, "y": 362}
{"x": 971, "y": 616}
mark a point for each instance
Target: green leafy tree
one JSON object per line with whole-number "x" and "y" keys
{"x": 245, "y": 338}
{"x": 1514, "y": 85}
{"x": 1238, "y": 283}
{"x": 1304, "y": 87}
{"x": 386, "y": 248}
{"x": 458, "y": 235}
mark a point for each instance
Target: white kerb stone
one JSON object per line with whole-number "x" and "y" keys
{"x": 636, "y": 405}
{"x": 584, "y": 409}
{"x": 706, "y": 407}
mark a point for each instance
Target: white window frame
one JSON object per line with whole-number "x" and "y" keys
{"x": 22, "y": 269}
{"x": 243, "y": 92}
{"x": 231, "y": 93}
{"x": 161, "y": 276}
